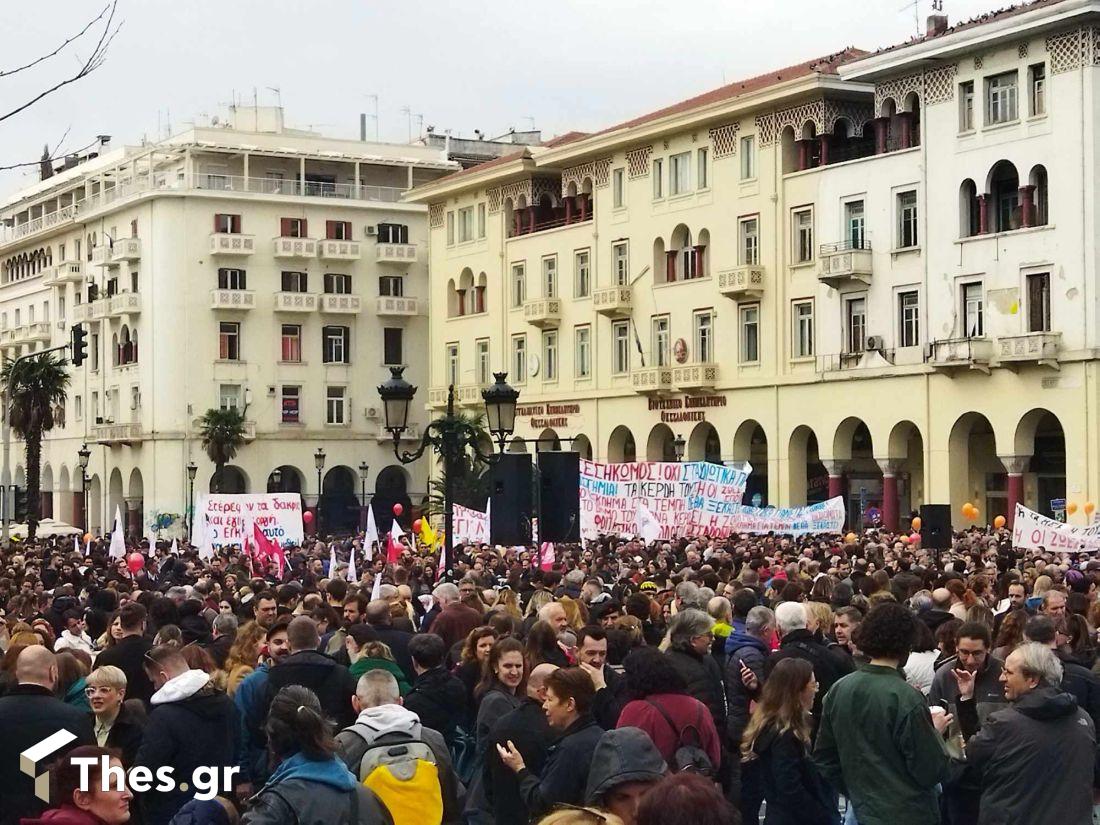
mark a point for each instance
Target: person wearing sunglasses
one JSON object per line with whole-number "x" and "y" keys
{"x": 117, "y": 725}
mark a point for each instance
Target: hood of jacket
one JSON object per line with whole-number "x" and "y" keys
{"x": 384, "y": 719}
{"x": 439, "y": 681}
{"x": 1046, "y": 703}
{"x": 181, "y": 687}
{"x": 623, "y": 755}
{"x": 739, "y": 638}
{"x": 75, "y": 694}
{"x": 307, "y": 657}
{"x": 331, "y": 772}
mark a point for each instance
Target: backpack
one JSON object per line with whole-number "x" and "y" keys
{"x": 689, "y": 756}
{"x": 404, "y": 774}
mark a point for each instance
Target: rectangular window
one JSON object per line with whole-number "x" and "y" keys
{"x": 229, "y": 341}
{"x": 750, "y": 333}
{"x": 1038, "y": 302}
{"x": 336, "y": 406}
{"x": 481, "y": 220}
{"x": 291, "y": 404}
{"x": 231, "y": 279}
{"x": 292, "y": 228}
{"x": 1000, "y": 98}
{"x": 452, "y": 364}
{"x": 291, "y": 349}
{"x": 135, "y": 397}
{"x": 61, "y": 253}
{"x": 803, "y": 321}
{"x": 95, "y": 407}
{"x": 519, "y": 358}
{"x": 909, "y": 319}
{"x": 618, "y": 188}
{"x": 658, "y": 174}
{"x": 550, "y": 277}
{"x": 748, "y": 157}
{"x": 582, "y": 352}
{"x": 335, "y": 345}
{"x": 481, "y": 351}
{"x": 229, "y": 396}
{"x": 973, "y": 306}
{"x": 337, "y": 284}
{"x": 78, "y": 408}
{"x": 620, "y": 337}
{"x": 854, "y": 223}
{"x": 679, "y": 173}
{"x": 660, "y": 341}
{"x": 855, "y": 324}
{"x": 392, "y": 346}
{"x": 803, "y": 231}
{"x": 620, "y": 262}
{"x": 338, "y": 230}
{"x": 93, "y": 350}
{"x": 227, "y": 224}
{"x": 294, "y": 282}
{"x": 550, "y": 355}
{"x": 450, "y": 228}
{"x": 748, "y": 230}
{"x": 392, "y": 233}
{"x": 519, "y": 284}
{"x": 1037, "y": 83}
{"x": 582, "y": 275}
{"x": 966, "y": 106}
{"x": 907, "y": 220}
{"x": 61, "y": 308}
{"x": 465, "y": 224}
{"x": 702, "y": 168}
{"x": 392, "y": 286}
{"x": 704, "y": 337}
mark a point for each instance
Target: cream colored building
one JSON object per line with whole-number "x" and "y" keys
{"x": 238, "y": 264}
{"x": 871, "y": 275}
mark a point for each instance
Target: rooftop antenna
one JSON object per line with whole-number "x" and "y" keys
{"x": 362, "y": 129}
{"x": 915, "y": 6}
{"x": 407, "y": 112}
{"x": 278, "y": 95}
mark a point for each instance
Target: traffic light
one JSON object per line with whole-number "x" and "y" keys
{"x": 79, "y": 344}
{"x": 20, "y": 504}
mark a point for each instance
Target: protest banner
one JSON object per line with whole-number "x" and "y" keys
{"x": 470, "y": 526}
{"x": 824, "y": 517}
{"x": 1034, "y": 531}
{"x": 227, "y": 517}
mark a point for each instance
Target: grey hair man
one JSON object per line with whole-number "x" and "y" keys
{"x": 747, "y": 653}
{"x": 797, "y": 641}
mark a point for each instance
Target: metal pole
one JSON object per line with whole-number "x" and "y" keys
{"x": 84, "y": 496}
{"x": 318, "y": 501}
{"x": 448, "y": 482}
{"x": 362, "y": 504}
{"x": 190, "y": 508}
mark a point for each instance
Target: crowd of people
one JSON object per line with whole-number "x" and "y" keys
{"x": 812, "y": 680}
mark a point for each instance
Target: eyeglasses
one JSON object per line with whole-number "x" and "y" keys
{"x": 98, "y": 691}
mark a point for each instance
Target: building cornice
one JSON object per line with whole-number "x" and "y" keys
{"x": 478, "y": 176}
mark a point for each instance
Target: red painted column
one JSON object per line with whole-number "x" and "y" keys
{"x": 1015, "y": 495}
{"x": 517, "y": 221}
{"x": 905, "y": 139}
{"x": 824, "y": 141}
{"x": 882, "y": 125}
{"x": 699, "y": 261}
{"x": 585, "y": 202}
{"x": 983, "y": 214}
{"x": 803, "y": 155}
{"x": 1027, "y": 206}
{"x": 890, "y": 500}
{"x": 569, "y": 210}
{"x": 670, "y": 265}
{"x": 532, "y": 213}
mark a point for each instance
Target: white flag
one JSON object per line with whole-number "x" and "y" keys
{"x": 646, "y": 524}
{"x": 76, "y": 543}
{"x": 175, "y": 547}
{"x": 118, "y": 540}
{"x": 352, "y": 575}
{"x": 395, "y": 531}
{"x": 371, "y": 537}
{"x": 332, "y": 563}
{"x": 442, "y": 562}
{"x": 376, "y": 591}
{"x": 206, "y": 547}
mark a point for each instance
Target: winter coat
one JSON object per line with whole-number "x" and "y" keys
{"x": 307, "y": 792}
{"x": 1083, "y": 685}
{"x": 439, "y": 700}
{"x": 364, "y": 664}
{"x": 795, "y": 792}
{"x": 495, "y": 703}
{"x": 219, "y": 649}
{"x": 331, "y": 682}
{"x": 249, "y": 699}
{"x": 564, "y": 776}
{"x": 1036, "y": 759}
{"x": 704, "y": 681}
{"x": 128, "y": 655}
{"x": 525, "y": 727}
{"x": 398, "y": 642}
{"x": 455, "y": 622}
{"x": 685, "y": 712}
{"x": 75, "y": 695}
{"x": 201, "y": 812}
{"x": 127, "y": 731}
{"x": 741, "y": 647}
{"x": 608, "y": 702}
{"x": 623, "y": 755}
{"x": 28, "y": 714}
{"x": 829, "y": 665}
{"x": 192, "y": 725}
{"x": 65, "y": 815}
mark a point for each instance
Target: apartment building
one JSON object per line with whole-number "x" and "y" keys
{"x": 241, "y": 264}
{"x": 871, "y": 275}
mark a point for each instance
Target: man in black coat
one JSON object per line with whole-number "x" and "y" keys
{"x": 1077, "y": 680}
{"x": 592, "y": 657}
{"x": 128, "y": 653}
{"x": 437, "y": 697}
{"x": 378, "y": 617}
{"x": 28, "y": 714}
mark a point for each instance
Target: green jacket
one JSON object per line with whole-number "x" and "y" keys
{"x": 877, "y": 746}
{"x": 363, "y": 665}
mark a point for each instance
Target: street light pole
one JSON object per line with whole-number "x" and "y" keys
{"x": 319, "y": 463}
{"x": 364, "y": 471}
{"x": 192, "y": 470}
{"x": 84, "y": 455}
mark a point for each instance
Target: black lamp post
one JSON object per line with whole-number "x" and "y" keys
{"x": 192, "y": 470}
{"x": 277, "y": 480}
{"x": 448, "y": 436}
{"x": 84, "y": 455}
{"x": 678, "y": 444}
{"x": 319, "y": 463}
{"x": 364, "y": 471}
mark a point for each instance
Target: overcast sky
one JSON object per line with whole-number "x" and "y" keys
{"x": 478, "y": 64}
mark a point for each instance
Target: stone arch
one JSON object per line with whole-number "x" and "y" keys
{"x": 517, "y": 445}
{"x": 1038, "y": 180}
{"x": 704, "y": 444}
{"x": 842, "y": 128}
{"x": 64, "y": 504}
{"x": 789, "y": 150}
{"x": 659, "y": 445}
{"x": 339, "y": 502}
{"x": 452, "y": 298}
{"x": 115, "y": 497}
{"x": 571, "y": 190}
{"x": 582, "y": 446}
{"x": 95, "y": 505}
{"x": 464, "y": 292}
{"x": 888, "y": 108}
{"x": 47, "y": 496}
{"x": 1040, "y": 441}
{"x": 906, "y": 456}
{"x": 481, "y": 287}
{"x": 680, "y": 259}
{"x": 234, "y": 480}
{"x": 660, "y": 266}
{"x": 548, "y": 441}
{"x": 969, "y": 209}
{"x": 845, "y": 435}
{"x": 291, "y": 480}
{"x": 390, "y": 487}
{"x": 808, "y": 479}
{"x": 1003, "y": 186}
{"x": 135, "y": 501}
{"x": 976, "y": 474}
{"x": 808, "y": 131}
{"x": 620, "y": 446}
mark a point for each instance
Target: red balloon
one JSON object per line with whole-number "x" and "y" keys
{"x": 135, "y": 561}
{"x": 416, "y": 526}
{"x": 307, "y": 516}
{"x": 398, "y": 509}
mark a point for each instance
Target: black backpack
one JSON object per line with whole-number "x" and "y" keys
{"x": 690, "y": 757}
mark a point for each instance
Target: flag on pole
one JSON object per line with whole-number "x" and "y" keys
{"x": 370, "y": 540}
{"x": 76, "y": 543}
{"x": 546, "y": 555}
{"x": 332, "y": 563}
{"x": 427, "y": 534}
{"x": 376, "y": 591}
{"x": 646, "y": 524}
{"x": 263, "y": 548}
{"x": 175, "y": 547}
{"x": 352, "y": 574}
{"x": 442, "y": 562}
{"x": 393, "y": 543}
{"x": 118, "y": 539}
{"x": 206, "y": 547}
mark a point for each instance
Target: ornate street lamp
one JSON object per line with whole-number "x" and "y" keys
{"x": 364, "y": 471}
{"x": 678, "y": 444}
{"x": 84, "y": 455}
{"x": 277, "y": 480}
{"x": 192, "y": 471}
{"x": 319, "y": 463}
{"x": 500, "y": 408}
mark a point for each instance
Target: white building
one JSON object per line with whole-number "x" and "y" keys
{"x": 244, "y": 264}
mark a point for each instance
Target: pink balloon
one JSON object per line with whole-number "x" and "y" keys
{"x": 398, "y": 509}
{"x": 416, "y": 526}
{"x": 307, "y": 516}
{"x": 135, "y": 561}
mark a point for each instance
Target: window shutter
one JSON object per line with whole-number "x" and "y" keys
{"x": 284, "y": 227}
{"x": 330, "y": 229}
{"x": 222, "y": 279}
{"x": 242, "y": 280}
{"x": 217, "y": 223}
{"x": 345, "y": 333}
{"x": 235, "y": 224}
{"x": 305, "y": 230}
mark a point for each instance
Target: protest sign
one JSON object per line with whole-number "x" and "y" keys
{"x": 470, "y": 526}
{"x": 227, "y": 516}
{"x": 1032, "y": 531}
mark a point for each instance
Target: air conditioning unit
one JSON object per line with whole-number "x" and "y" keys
{"x": 371, "y": 230}
{"x": 875, "y": 343}
{"x": 61, "y": 325}
{"x": 271, "y": 390}
{"x": 99, "y": 419}
{"x": 373, "y": 413}
{"x": 135, "y": 402}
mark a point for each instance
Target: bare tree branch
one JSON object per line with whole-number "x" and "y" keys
{"x": 58, "y": 152}
{"x": 58, "y": 50}
{"x": 94, "y": 61}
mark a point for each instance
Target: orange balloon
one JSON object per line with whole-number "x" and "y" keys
{"x": 1071, "y": 508}
{"x": 87, "y": 537}
{"x": 974, "y": 512}
{"x": 1089, "y": 507}
{"x": 917, "y": 524}
{"x": 904, "y": 539}
{"x": 851, "y": 537}
{"x": 966, "y": 508}
{"x": 999, "y": 522}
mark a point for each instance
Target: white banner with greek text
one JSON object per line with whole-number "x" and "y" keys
{"x": 1032, "y": 531}
{"x": 279, "y": 515}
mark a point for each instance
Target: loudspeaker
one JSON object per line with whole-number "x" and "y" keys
{"x": 510, "y": 499}
{"x": 559, "y": 496}
{"x": 935, "y": 526}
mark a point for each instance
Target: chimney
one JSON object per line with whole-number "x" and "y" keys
{"x": 937, "y": 24}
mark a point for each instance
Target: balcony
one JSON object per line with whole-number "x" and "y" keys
{"x": 398, "y": 306}
{"x": 845, "y": 262}
{"x": 437, "y": 398}
{"x": 125, "y": 303}
{"x": 249, "y": 433}
{"x": 468, "y": 395}
{"x": 101, "y": 256}
{"x": 544, "y": 313}
{"x": 82, "y": 313}
{"x": 1031, "y": 348}
{"x": 40, "y": 331}
{"x": 295, "y": 302}
{"x": 953, "y": 354}
{"x": 331, "y": 250}
{"x": 228, "y": 243}
{"x": 101, "y": 309}
{"x": 297, "y": 188}
{"x": 295, "y": 248}
{"x": 651, "y": 380}
{"x": 538, "y": 218}
{"x": 395, "y": 253}
{"x": 115, "y": 434}
{"x": 695, "y": 377}
{"x": 232, "y": 299}
{"x": 742, "y": 283}
{"x": 126, "y": 249}
{"x": 71, "y": 271}
{"x": 11, "y": 337}
{"x": 340, "y": 304}
{"x": 614, "y": 301}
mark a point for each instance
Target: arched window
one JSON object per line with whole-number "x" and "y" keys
{"x": 969, "y": 210}
{"x": 1004, "y": 190}
{"x": 1040, "y": 197}
{"x": 465, "y": 297}
{"x": 479, "y": 292}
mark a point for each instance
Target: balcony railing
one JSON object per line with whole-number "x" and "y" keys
{"x": 960, "y": 353}
{"x": 295, "y": 302}
{"x": 332, "y": 250}
{"x": 39, "y": 331}
{"x": 229, "y": 243}
{"x": 117, "y": 433}
{"x": 845, "y": 261}
{"x": 101, "y": 309}
{"x": 468, "y": 395}
{"x": 232, "y": 299}
{"x": 743, "y": 283}
{"x": 295, "y": 248}
{"x": 126, "y": 249}
{"x": 101, "y": 256}
{"x": 544, "y": 313}
{"x": 62, "y": 273}
{"x": 614, "y": 301}
{"x": 702, "y": 376}
{"x": 82, "y": 313}
{"x": 1032, "y": 347}
{"x": 555, "y": 220}
{"x": 651, "y": 380}
{"x": 125, "y": 303}
{"x": 295, "y": 188}
{"x": 437, "y": 397}
{"x": 340, "y": 304}
{"x": 395, "y": 253}
{"x": 397, "y": 305}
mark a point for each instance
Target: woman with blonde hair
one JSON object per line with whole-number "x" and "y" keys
{"x": 243, "y": 656}
{"x": 366, "y": 652}
{"x": 822, "y": 614}
{"x": 576, "y": 815}
{"x": 575, "y": 612}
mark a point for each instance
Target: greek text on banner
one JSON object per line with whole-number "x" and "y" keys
{"x": 279, "y": 515}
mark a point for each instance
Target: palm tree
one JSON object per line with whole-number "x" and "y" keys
{"x": 222, "y": 436}
{"x": 36, "y": 392}
{"x": 471, "y": 482}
